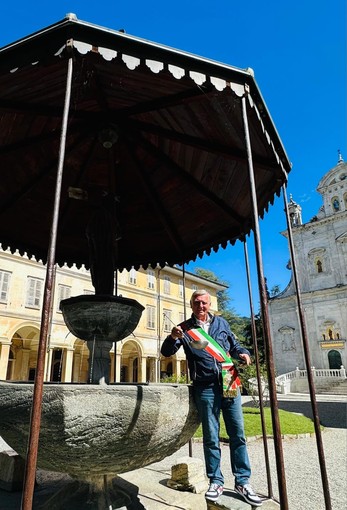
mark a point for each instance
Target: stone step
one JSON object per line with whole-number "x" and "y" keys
{"x": 335, "y": 389}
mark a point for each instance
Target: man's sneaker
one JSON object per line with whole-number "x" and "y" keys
{"x": 214, "y": 491}
{"x": 248, "y": 494}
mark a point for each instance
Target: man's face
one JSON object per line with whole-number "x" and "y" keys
{"x": 200, "y": 306}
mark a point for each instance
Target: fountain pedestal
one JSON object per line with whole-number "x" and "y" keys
{"x": 100, "y": 320}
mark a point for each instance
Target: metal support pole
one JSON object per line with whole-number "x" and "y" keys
{"x": 305, "y": 342}
{"x": 256, "y": 355}
{"x": 50, "y": 326}
{"x": 266, "y": 323}
{"x": 158, "y": 328}
{"x": 190, "y": 444}
{"x": 31, "y": 459}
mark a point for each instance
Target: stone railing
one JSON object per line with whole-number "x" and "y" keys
{"x": 297, "y": 379}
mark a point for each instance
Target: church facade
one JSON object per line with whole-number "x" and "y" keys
{"x": 321, "y": 258}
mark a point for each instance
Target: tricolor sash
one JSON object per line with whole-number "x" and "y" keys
{"x": 231, "y": 381}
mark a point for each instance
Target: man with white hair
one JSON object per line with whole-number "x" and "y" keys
{"x": 209, "y": 345}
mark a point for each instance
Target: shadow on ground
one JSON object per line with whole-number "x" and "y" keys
{"x": 331, "y": 414}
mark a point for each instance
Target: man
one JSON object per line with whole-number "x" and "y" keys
{"x": 206, "y": 375}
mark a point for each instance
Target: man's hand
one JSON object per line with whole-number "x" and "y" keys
{"x": 176, "y": 332}
{"x": 245, "y": 358}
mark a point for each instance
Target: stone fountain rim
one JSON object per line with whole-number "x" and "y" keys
{"x": 88, "y": 386}
{"x": 101, "y": 298}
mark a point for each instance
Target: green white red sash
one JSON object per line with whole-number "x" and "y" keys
{"x": 231, "y": 381}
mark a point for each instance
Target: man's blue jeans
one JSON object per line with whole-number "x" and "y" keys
{"x": 210, "y": 402}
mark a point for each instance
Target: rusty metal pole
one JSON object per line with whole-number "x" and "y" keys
{"x": 256, "y": 355}
{"x": 35, "y": 422}
{"x": 305, "y": 342}
{"x": 190, "y": 444}
{"x": 266, "y": 323}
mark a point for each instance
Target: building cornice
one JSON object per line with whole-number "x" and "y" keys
{"x": 338, "y": 289}
{"x": 311, "y": 225}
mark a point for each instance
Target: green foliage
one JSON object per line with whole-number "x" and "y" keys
{"x": 290, "y": 423}
{"x": 222, "y": 295}
{"x": 259, "y": 334}
{"x": 173, "y": 379}
{"x": 248, "y": 376}
{"x": 275, "y": 289}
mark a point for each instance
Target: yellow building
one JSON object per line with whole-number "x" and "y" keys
{"x": 160, "y": 291}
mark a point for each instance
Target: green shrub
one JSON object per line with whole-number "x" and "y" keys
{"x": 174, "y": 379}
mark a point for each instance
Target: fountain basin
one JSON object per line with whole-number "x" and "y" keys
{"x": 89, "y": 430}
{"x": 101, "y": 317}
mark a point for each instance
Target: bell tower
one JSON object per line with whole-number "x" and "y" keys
{"x": 294, "y": 213}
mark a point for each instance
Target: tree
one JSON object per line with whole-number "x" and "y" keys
{"x": 275, "y": 290}
{"x": 259, "y": 334}
{"x": 222, "y": 295}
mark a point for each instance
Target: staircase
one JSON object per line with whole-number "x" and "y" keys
{"x": 335, "y": 388}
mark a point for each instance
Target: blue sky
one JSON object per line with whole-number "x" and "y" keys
{"x": 297, "y": 49}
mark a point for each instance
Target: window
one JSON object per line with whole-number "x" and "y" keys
{"x": 64, "y": 293}
{"x": 4, "y": 286}
{"x": 34, "y": 292}
{"x": 150, "y": 317}
{"x": 150, "y": 279}
{"x": 335, "y": 203}
{"x": 194, "y": 287}
{"x": 318, "y": 260}
{"x": 180, "y": 288}
{"x": 167, "y": 321}
{"x": 167, "y": 282}
{"x": 181, "y": 317}
{"x": 319, "y": 266}
{"x": 132, "y": 276}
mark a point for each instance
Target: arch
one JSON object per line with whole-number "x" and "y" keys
{"x": 172, "y": 366}
{"x": 335, "y": 359}
{"x": 24, "y": 329}
{"x": 80, "y": 361}
{"x": 24, "y": 346}
{"x": 131, "y": 355}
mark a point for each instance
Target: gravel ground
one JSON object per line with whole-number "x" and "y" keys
{"x": 301, "y": 462}
{"x": 303, "y": 475}
{"x": 302, "y": 471}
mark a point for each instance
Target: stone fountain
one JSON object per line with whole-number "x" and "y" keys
{"x": 95, "y": 431}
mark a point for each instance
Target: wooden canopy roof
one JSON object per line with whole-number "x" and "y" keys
{"x": 155, "y": 132}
